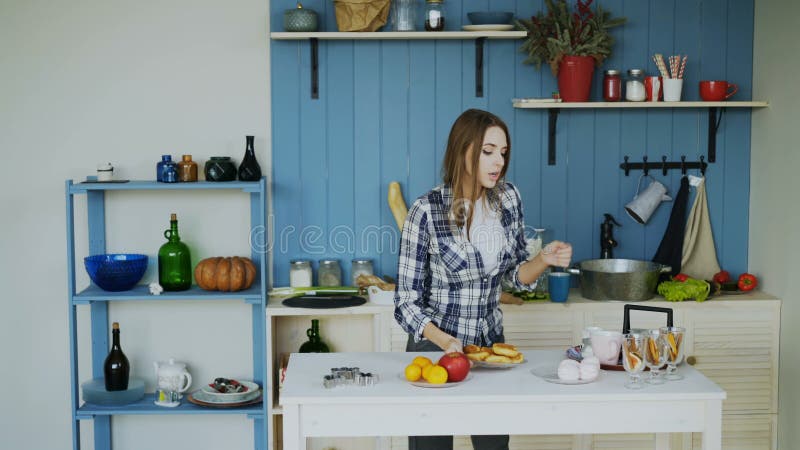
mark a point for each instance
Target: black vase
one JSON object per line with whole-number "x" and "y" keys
{"x": 220, "y": 168}
{"x": 249, "y": 170}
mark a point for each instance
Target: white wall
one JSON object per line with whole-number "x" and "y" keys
{"x": 98, "y": 81}
{"x": 774, "y": 212}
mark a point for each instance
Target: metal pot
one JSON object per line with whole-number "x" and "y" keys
{"x": 618, "y": 279}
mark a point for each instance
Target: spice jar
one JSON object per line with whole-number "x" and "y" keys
{"x": 434, "y": 15}
{"x": 330, "y": 273}
{"x": 634, "y": 86}
{"x": 360, "y": 267}
{"x": 300, "y": 274}
{"x": 612, "y": 86}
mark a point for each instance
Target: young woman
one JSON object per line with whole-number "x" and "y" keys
{"x": 459, "y": 240}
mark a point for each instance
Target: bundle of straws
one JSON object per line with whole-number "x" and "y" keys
{"x": 677, "y": 65}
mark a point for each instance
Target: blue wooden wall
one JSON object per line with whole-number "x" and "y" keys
{"x": 385, "y": 109}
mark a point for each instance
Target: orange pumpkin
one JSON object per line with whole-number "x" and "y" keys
{"x": 227, "y": 274}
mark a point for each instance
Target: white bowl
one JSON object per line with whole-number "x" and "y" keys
{"x": 219, "y": 397}
{"x": 379, "y": 296}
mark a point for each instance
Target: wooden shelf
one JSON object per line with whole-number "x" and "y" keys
{"x": 713, "y": 124}
{"x": 624, "y": 105}
{"x": 399, "y": 35}
{"x": 478, "y": 36}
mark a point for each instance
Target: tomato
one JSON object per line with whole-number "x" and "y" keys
{"x": 747, "y": 282}
{"x": 681, "y": 277}
{"x": 722, "y": 276}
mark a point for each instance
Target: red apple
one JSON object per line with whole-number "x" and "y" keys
{"x": 456, "y": 364}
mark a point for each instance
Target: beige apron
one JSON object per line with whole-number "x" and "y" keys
{"x": 699, "y": 254}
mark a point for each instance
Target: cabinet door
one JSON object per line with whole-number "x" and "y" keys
{"x": 745, "y": 432}
{"x": 737, "y": 347}
{"x": 540, "y": 330}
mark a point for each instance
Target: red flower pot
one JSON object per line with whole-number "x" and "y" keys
{"x": 575, "y": 78}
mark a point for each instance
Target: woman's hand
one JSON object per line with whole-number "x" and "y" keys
{"x": 557, "y": 254}
{"x": 453, "y": 346}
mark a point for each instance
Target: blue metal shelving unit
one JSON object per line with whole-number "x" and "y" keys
{"x": 98, "y": 301}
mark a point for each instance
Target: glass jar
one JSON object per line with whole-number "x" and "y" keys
{"x": 434, "y": 15}
{"x": 634, "y": 86}
{"x": 300, "y": 274}
{"x": 403, "y": 15}
{"x": 360, "y": 267}
{"x": 330, "y": 273}
{"x": 612, "y": 86}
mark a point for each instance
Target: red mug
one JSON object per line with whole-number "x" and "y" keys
{"x": 715, "y": 91}
{"x": 653, "y": 84}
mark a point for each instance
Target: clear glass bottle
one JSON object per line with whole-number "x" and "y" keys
{"x": 116, "y": 368}
{"x": 540, "y": 291}
{"x": 300, "y": 273}
{"x": 330, "y": 273}
{"x": 434, "y": 15}
{"x": 174, "y": 260}
{"x": 314, "y": 343}
{"x": 360, "y": 267}
{"x": 404, "y": 15}
{"x": 634, "y": 86}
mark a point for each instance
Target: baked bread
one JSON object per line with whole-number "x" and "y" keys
{"x": 498, "y": 359}
{"x": 518, "y": 359}
{"x": 505, "y": 350}
{"x": 478, "y": 356}
{"x": 469, "y": 348}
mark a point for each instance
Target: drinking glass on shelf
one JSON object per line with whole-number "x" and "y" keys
{"x": 632, "y": 358}
{"x": 655, "y": 355}
{"x": 673, "y": 336}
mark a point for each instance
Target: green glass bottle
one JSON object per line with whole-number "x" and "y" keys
{"x": 314, "y": 343}
{"x": 174, "y": 260}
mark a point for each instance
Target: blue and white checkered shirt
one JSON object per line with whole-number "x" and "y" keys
{"x": 441, "y": 276}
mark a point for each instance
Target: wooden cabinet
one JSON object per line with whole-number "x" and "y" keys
{"x": 731, "y": 339}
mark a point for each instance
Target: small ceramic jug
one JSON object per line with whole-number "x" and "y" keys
{"x": 172, "y": 376}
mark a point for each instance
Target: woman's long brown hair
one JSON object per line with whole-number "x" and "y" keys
{"x": 467, "y": 133}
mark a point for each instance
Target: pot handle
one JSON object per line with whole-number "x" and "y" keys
{"x": 665, "y": 269}
{"x": 573, "y": 270}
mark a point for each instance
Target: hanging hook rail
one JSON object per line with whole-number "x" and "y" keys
{"x": 664, "y": 165}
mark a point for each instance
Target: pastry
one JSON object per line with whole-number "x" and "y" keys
{"x": 505, "y": 350}
{"x": 478, "y": 356}
{"x": 498, "y": 359}
{"x": 469, "y": 348}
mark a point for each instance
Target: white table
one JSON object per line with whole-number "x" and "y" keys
{"x": 510, "y": 401}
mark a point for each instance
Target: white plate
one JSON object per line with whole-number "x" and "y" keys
{"x": 234, "y": 397}
{"x": 489, "y": 27}
{"x": 496, "y": 365}
{"x": 204, "y": 396}
{"x": 550, "y": 374}
{"x": 425, "y": 384}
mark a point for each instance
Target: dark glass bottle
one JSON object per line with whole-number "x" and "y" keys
{"x": 174, "y": 260}
{"x": 187, "y": 169}
{"x": 249, "y": 170}
{"x": 116, "y": 368}
{"x": 314, "y": 343}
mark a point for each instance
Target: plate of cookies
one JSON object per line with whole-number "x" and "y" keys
{"x": 498, "y": 356}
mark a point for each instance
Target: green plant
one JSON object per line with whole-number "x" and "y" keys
{"x": 561, "y": 33}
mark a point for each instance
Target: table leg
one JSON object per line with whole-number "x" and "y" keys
{"x": 712, "y": 434}
{"x": 292, "y": 437}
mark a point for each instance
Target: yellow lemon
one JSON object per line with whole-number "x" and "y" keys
{"x": 437, "y": 375}
{"x": 426, "y": 371}
{"x": 422, "y": 361}
{"x": 413, "y": 372}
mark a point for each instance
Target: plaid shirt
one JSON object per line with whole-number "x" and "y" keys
{"x": 441, "y": 276}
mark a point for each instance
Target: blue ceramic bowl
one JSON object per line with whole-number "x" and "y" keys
{"x": 490, "y": 17}
{"x": 116, "y": 271}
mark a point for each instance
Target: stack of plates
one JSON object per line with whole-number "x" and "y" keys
{"x": 208, "y": 396}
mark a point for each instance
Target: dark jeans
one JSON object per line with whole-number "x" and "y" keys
{"x": 446, "y": 442}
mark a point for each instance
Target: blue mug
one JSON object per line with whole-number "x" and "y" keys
{"x": 558, "y": 284}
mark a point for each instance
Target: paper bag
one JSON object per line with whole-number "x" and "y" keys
{"x": 361, "y": 15}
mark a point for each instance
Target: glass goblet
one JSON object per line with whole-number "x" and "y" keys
{"x": 673, "y": 336}
{"x": 655, "y": 355}
{"x": 632, "y": 359}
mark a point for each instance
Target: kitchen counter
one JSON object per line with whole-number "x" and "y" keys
{"x": 512, "y": 401}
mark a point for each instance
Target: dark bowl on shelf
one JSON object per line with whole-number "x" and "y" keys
{"x": 490, "y": 17}
{"x": 116, "y": 272}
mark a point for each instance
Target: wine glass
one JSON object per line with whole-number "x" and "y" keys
{"x": 655, "y": 355}
{"x": 673, "y": 337}
{"x": 632, "y": 361}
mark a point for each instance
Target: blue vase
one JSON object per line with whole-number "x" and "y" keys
{"x": 166, "y": 170}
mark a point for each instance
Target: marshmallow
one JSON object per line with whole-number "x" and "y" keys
{"x": 569, "y": 370}
{"x": 590, "y": 368}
